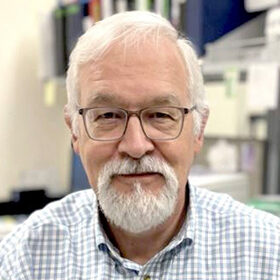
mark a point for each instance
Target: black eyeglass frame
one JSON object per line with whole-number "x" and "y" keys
{"x": 128, "y": 114}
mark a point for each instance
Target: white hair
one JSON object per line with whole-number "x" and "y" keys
{"x": 133, "y": 27}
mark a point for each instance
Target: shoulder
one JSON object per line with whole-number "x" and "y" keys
{"x": 55, "y": 223}
{"x": 222, "y": 206}
{"x": 231, "y": 232}
{"x": 219, "y": 212}
{"x": 65, "y": 212}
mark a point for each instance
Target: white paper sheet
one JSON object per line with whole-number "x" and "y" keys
{"x": 259, "y": 5}
{"x": 272, "y": 24}
{"x": 263, "y": 87}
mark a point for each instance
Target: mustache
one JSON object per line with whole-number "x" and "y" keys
{"x": 146, "y": 164}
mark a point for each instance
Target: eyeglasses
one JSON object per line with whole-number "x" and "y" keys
{"x": 158, "y": 123}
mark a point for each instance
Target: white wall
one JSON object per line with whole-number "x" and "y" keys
{"x": 32, "y": 136}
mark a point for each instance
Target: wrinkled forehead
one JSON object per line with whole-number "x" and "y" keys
{"x": 142, "y": 57}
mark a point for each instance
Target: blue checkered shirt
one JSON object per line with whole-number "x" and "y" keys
{"x": 220, "y": 239}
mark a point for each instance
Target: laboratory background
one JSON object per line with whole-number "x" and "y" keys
{"x": 238, "y": 42}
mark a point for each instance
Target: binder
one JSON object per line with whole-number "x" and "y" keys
{"x": 142, "y": 5}
{"x": 183, "y": 21}
{"x": 106, "y": 8}
{"x": 162, "y": 7}
{"x": 121, "y": 6}
{"x": 130, "y": 5}
{"x": 94, "y": 10}
{"x": 73, "y": 26}
{"x": 175, "y": 12}
{"x": 59, "y": 42}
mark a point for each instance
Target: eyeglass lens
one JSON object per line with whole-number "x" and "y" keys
{"x": 110, "y": 123}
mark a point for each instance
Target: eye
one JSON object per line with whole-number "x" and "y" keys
{"x": 109, "y": 115}
{"x": 160, "y": 116}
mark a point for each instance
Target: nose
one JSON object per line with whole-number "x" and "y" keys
{"x": 134, "y": 143}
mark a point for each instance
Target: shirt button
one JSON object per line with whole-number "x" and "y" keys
{"x": 147, "y": 277}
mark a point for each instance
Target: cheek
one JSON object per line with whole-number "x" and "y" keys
{"x": 184, "y": 154}
{"x": 94, "y": 155}
{"x": 180, "y": 156}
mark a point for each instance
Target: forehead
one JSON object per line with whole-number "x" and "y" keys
{"x": 137, "y": 74}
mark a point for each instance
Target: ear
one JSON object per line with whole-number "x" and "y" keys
{"x": 199, "y": 139}
{"x": 74, "y": 138}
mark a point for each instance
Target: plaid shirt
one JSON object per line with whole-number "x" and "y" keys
{"x": 221, "y": 239}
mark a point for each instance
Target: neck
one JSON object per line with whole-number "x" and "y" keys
{"x": 141, "y": 247}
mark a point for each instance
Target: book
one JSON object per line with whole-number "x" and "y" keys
{"x": 94, "y": 10}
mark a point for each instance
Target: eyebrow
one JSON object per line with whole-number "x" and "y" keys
{"x": 101, "y": 99}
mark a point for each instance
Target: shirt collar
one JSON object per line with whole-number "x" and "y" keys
{"x": 189, "y": 227}
{"x": 103, "y": 243}
{"x": 187, "y": 231}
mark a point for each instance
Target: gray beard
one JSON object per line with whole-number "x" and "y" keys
{"x": 139, "y": 210}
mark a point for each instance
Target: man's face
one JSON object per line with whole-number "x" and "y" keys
{"x": 132, "y": 80}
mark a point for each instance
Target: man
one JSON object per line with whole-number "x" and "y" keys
{"x": 136, "y": 109}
